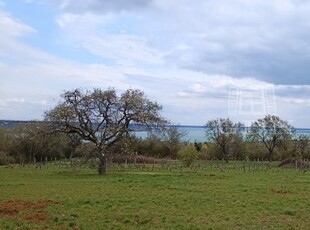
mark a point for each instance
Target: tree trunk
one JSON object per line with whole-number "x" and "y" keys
{"x": 270, "y": 153}
{"x": 225, "y": 152}
{"x": 102, "y": 169}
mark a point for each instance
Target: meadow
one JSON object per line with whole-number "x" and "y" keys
{"x": 216, "y": 196}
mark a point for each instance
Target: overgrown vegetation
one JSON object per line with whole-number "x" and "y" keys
{"x": 35, "y": 143}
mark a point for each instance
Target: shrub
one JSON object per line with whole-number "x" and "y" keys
{"x": 208, "y": 151}
{"x": 255, "y": 150}
{"x": 188, "y": 155}
{"x": 5, "y": 159}
{"x": 151, "y": 146}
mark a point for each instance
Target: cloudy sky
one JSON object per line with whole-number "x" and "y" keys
{"x": 200, "y": 59}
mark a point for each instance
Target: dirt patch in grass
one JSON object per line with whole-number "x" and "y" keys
{"x": 280, "y": 191}
{"x": 32, "y": 211}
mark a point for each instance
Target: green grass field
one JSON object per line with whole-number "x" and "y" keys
{"x": 162, "y": 199}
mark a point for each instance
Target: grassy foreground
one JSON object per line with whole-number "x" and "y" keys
{"x": 206, "y": 199}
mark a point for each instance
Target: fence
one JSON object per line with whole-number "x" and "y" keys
{"x": 160, "y": 165}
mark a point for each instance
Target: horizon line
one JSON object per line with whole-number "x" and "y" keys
{"x": 175, "y": 125}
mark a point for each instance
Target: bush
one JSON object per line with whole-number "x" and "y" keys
{"x": 151, "y": 146}
{"x": 255, "y": 151}
{"x": 188, "y": 155}
{"x": 5, "y": 159}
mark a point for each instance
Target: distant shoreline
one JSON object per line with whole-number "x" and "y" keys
{"x": 14, "y": 123}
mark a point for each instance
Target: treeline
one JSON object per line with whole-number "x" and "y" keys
{"x": 97, "y": 124}
{"x": 37, "y": 142}
{"x": 269, "y": 138}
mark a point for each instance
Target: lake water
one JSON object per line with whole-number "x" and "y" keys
{"x": 198, "y": 133}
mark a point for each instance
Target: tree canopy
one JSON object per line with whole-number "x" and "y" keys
{"x": 271, "y": 131}
{"x": 224, "y": 133}
{"x": 103, "y": 117}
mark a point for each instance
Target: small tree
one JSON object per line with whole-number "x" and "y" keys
{"x": 271, "y": 131}
{"x": 32, "y": 142}
{"x": 4, "y": 142}
{"x": 198, "y": 146}
{"x": 152, "y": 145}
{"x": 224, "y": 133}
{"x": 171, "y": 138}
{"x": 102, "y": 117}
{"x": 302, "y": 146}
{"x": 75, "y": 141}
{"x": 188, "y": 155}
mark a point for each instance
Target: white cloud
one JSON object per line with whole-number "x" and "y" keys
{"x": 263, "y": 39}
{"x": 184, "y": 54}
{"x": 13, "y": 27}
{"x": 89, "y": 32}
{"x": 2, "y": 104}
{"x": 299, "y": 101}
{"x": 16, "y": 100}
{"x": 99, "y": 6}
{"x": 267, "y": 40}
{"x": 10, "y": 47}
{"x": 216, "y": 86}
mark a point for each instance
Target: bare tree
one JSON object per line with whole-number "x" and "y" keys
{"x": 224, "y": 133}
{"x": 271, "y": 131}
{"x": 33, "y": 142}
{"x": 75, "y": 141}
{"x": 171, "y": 138}
{"x": 302, "y": 146}
{"x": 3, "y": 141}
{"x": 102, "y": 117}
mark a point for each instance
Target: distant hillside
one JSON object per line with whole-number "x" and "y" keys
{"x": 10, "y": 124}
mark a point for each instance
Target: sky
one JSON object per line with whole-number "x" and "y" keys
{"x": 199, "y": 59}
